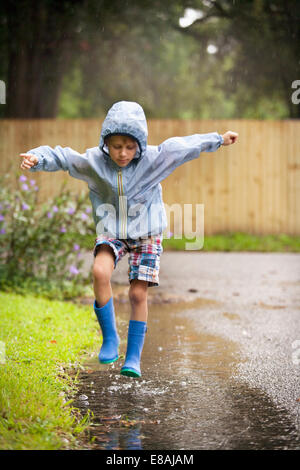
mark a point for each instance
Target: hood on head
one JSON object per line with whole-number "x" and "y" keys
{"x": 125, "y": 118}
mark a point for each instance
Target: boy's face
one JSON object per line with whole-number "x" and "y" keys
{"x": 121, "y": 149}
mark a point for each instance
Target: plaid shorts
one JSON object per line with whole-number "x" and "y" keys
{"x": 144, "y": 256}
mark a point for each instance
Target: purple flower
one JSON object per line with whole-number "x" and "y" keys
{"x": 84, "y": 216}
{"x": 36, "y": 188}
{"x": 88, "y": 210}
{"x": 25, "y": 187}
{"x": 63, "y": 229}
{"x": 25, "y": 206}
{"x": 49, "y": 215}
{"x": 2, "y": 231}
{"x": 23, "y": 178}
{"x": 73, "y": 270}
{"x": 71, "y": 210}
{"x": 55, "y": 209}
{"x": 1, "y": 217}
{"x": 76, "y": 247}
{"x": 32, "y": 182}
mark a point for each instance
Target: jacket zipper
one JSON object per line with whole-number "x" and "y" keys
{"x": 122, "y": 205}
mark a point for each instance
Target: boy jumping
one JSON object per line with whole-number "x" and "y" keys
{"x": 123, "y": 175}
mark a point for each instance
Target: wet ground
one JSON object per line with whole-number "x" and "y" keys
{"x": 220, "y": 363}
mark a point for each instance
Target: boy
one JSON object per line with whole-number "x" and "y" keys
{"x": 124, "y": 175}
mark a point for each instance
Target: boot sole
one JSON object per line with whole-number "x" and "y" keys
{"x": 109, "y": 361}
{"x": 130, "y": 373}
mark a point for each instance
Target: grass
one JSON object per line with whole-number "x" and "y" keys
{"x": 236, "y": 241}
{"x": 241, "y": 242}
{"x": 41, "y": 341}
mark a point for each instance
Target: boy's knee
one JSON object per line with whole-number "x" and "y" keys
{"x": 100, "y": 273}
{"x": 138, "y": 292}
{"x": 103, "y": 264}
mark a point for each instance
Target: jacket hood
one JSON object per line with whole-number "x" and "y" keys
{"x": 125, "y": 118}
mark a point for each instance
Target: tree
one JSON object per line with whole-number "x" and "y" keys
{"x": 76, "y": 57}
{"x": 263, "y": 36}
{"x": 41, "y": 38}
{"x": 38, "y": 41}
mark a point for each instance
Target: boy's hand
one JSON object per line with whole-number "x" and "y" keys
{"x": 230, "y": 137}
{"x": 28, "y": 161}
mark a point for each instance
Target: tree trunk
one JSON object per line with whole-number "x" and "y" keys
{"x": 39, "y": 55}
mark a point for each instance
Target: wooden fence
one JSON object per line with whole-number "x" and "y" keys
{"x": 252, "y": 186}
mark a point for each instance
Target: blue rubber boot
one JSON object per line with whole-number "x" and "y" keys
{"x": 106, "y": 318}
{"x": 136, "y": 336}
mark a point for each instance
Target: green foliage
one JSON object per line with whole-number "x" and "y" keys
{"x": 43, "y": 341}
{"x": 72, "y": 102}
{"x": 141, "y": 53}
{"x": 39, "y": 251}
{"x": 261, "y": 37}
{"x": 169, "y": 71}
{"x": 239, "y": 241}
{"x": 171, "y": 75}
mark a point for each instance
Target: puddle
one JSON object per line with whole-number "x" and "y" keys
{"x": 186, "y": 398}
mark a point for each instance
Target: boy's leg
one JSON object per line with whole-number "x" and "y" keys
{"x": 102, "y": 272}
{"x": 137, "y": 327}
{"x": 103, "y": 305}
{"x": 138, "y": 296}
{"x": 143, "y": 273}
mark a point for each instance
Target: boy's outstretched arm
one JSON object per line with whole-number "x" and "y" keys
{"x": 45, "y": 158}
{"x": 175, "y": 151}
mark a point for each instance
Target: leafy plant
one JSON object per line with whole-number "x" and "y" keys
{"x": 38, "y": 246}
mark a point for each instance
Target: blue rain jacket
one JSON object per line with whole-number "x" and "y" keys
{"x": 127, "y": 202}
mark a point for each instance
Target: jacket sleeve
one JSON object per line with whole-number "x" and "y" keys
{"x": 60, "y": 158}
{"x": 175, "y": 151}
